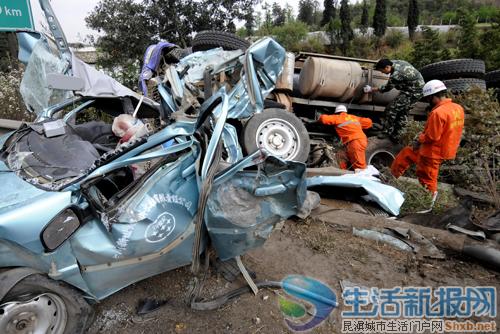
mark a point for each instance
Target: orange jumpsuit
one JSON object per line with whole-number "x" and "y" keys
{"x": 438, "y": 142}
{"x": 350, "y": 130}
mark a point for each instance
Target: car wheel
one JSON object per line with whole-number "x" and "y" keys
{"x": 458, "y": 86}
{"x": 454, "y": 69}
{"x": 206, "y": 40}
{"x": 381, "y": 152}
{"x": 38, "y": 304}
{"x": 279, "y": 132}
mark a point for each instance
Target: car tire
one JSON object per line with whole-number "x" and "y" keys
{"x": 206, "y": 40}
{"x": 291, "y": 139}
{"x": 454, "y": 69}
{"x": 47, "y": 305}
{"x": 493, "y": 79}
{"x": 458, "y": 86}
{"x": 381, "y": 152}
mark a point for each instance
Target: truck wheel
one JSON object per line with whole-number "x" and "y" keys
{"x": 206, "y": 40}
{"x": 279, "y": 132}
{"x": 462, "y": 85}
{"x": 493, "y": 79}
{"x": 381, "y": 152}
{"x": 38, "y": 304}
{"x": 454, "y": 69}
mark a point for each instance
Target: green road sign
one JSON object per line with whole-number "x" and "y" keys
{"x": 15, "y": 15}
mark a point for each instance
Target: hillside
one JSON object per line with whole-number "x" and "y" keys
{"x": 433, "y": 12}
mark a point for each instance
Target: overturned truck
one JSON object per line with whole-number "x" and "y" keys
{"x": 310, "y": 85}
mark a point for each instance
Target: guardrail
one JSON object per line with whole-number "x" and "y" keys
{"x": 7, "y": 125}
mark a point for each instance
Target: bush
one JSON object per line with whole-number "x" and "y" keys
{"x": 290, "y": 34}
{"x": 312, "y": 44}
{"x": 477, "y": 164}
{"x": 10, "y": 98}
{"x": 363, "y": 47}
{"x": 394, "y": 38}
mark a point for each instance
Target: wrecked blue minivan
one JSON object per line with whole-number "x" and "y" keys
{"x": 85, "y": 213}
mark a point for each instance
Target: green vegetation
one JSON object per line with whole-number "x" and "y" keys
{"x": 413, "y": 18}
{"x": 380, "y": 18}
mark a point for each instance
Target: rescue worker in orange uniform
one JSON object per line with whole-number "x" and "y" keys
{"x": 350, "y": 130}
{"x": 438, "y": 142}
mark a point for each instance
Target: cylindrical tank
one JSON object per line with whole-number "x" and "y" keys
{"x": 321, "y": 77}
{"x": 378, "y": 80}
{"x": 375, "y": 79}
{"x": 285, "y": 80}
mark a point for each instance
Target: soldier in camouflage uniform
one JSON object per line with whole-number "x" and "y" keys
{"x": 408, "y": 80}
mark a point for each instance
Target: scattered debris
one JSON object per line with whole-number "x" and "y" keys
{"x": 149, "y": 305}
{"x": 389, "y": 198}
{"x": 382, "y": 237}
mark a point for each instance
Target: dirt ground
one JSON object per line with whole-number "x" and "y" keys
{"x": 324, "y": 251}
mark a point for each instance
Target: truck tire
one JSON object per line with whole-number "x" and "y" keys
{"x": 493, "y": 79}
{"x": 279, "y": 132}
{"x": 271, "y": 104}
{"x": 206, "y": 40}
{"x": 454, "y": 69}
{"x": 457, "y": 86}
{"x": 39, "y": 304}
{"x": 381, "y": 152}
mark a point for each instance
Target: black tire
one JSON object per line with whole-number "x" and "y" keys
{"x": 454, "y": 69}
{"x": 381, "y": 152}
{"x": 207, "y": 40}
{"x": 287, "y": 125}
{"x": 79, "y": 314}
{"x": 271, "y": 104}
{"x": 457, "y": 86}
{"x": 493, "y": 79}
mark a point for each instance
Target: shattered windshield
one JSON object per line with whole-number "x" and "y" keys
{"x": 34, "y": 90}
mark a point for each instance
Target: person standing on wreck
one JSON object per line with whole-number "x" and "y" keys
{"x": 350, "y": 130}
{"x": 408, "y": 80}
{"x": 438, "y": 142}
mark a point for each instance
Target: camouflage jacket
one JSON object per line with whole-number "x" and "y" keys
{"x": 405, "y": 78}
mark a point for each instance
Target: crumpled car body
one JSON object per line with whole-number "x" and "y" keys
{"x": 98, "y": 225}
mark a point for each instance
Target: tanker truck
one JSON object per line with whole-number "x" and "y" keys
{"x": 312, "y": 84}
{"x": 309, "y": 85}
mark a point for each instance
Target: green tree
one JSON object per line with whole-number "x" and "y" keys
{"x": 120, "y": 43}
{"x": 268, "y": 18}
{"x": 364, "y": 19}
{"x": 428, "y": 49}
{"x": 333, "y": 31}
{"x": 413, "y": 17}
{"x": 290, "y": 34}
{"x": 346, "y": 32}
{"x": 468, "y": 40}
{"x": 489, "y": 41}
{"x": 288, "y": 13}
{"x": 380, "y": 18}
{"x": 307, "y": 11}
{"x": 249, "y": 18}
{"x": 279, "y": 15}
{"x": 127, "y": 27}
{"x": 329, "y": 11}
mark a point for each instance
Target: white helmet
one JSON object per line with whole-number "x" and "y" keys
{"x": 340, "y": 108}
{"x": 433, "y": 87}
